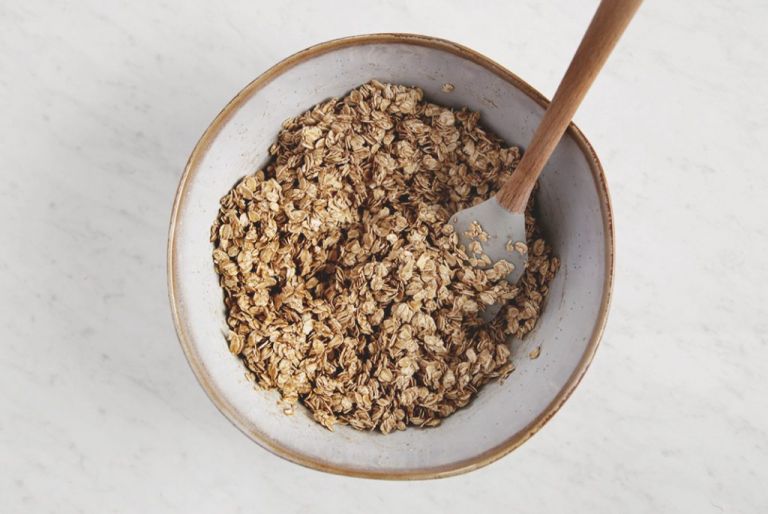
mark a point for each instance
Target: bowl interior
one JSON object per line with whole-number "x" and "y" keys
{"x": 573, "y": 208}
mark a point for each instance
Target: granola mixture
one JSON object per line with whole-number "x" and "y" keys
{"x": 344, "y": 285}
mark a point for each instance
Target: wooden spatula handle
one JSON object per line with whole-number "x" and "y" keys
{"x": 609, "y": 22}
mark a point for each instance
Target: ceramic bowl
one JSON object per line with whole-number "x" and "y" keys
{"x": 574, "y": 210}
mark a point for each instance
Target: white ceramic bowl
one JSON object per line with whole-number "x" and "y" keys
{"x": 575, "y": 212}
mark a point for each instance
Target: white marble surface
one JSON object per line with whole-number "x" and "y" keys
{"x": 101, "y": 104}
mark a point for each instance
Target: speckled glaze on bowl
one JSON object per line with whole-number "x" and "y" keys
{"x": 575, "y": 212}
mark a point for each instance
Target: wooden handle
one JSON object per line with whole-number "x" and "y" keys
{"x": 609, "y": 22}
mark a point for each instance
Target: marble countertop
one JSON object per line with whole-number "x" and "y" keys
{"x": 102, "y": 103}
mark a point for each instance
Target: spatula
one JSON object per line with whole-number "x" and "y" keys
{"x": 502, "y": 217}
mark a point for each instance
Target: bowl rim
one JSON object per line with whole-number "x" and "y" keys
{"x": 199, "y": 368}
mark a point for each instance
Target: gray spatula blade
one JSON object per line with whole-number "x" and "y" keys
{"x": 502, "y": 226}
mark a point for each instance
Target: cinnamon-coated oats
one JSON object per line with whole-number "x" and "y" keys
{"x": 344, "y": 285}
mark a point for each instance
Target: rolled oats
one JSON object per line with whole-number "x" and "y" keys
{"x": 344, "y": 286}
